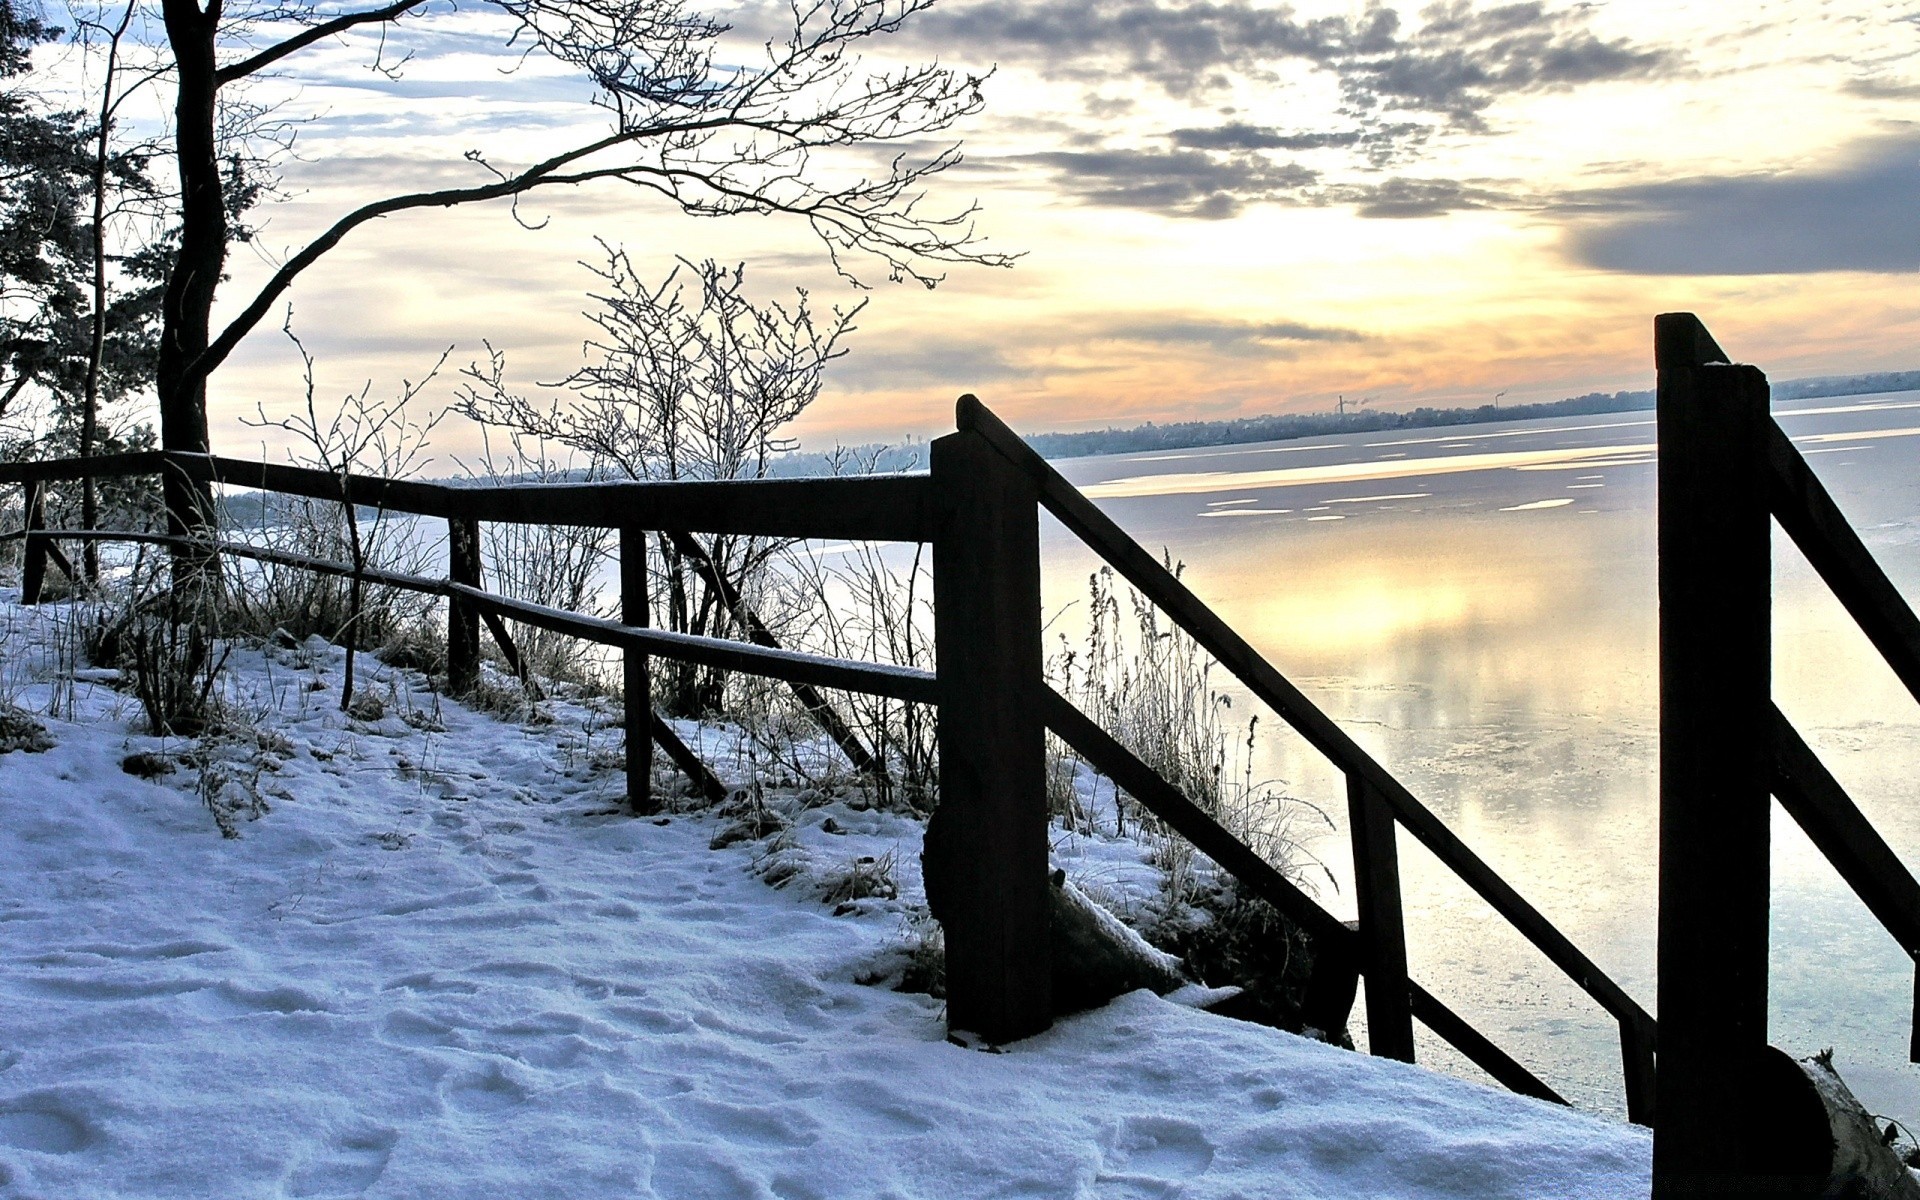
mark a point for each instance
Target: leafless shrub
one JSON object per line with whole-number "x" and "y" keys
{"x": 366, "y": 436}
{"x": 687, "y": 379}
{"x": 166, "y": 639}
{"x": 1151, "y": 685}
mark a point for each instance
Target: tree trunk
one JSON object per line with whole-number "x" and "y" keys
{"x": 186, "y": 312}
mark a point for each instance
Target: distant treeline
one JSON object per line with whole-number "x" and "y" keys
{"x": 1181, "y": 435}
{"x": 1284, "y": 426}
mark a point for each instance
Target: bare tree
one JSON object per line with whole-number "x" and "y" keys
{"x": 713, "y": 135}
{"x": 688, "y": 379}
{"x": 365, "y": 435}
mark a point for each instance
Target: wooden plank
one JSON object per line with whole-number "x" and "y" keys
{"x": 373, "y": 491}
{"x": 704, "y": 780}
{"x": 33, "y": 564}
{"x": 1475, "y": 1045}
{"x": 985, "y": 856}
{"x": 104, "y": 466}
{"x": 1383, "y": 934}
{"x": 1833, "y": 823}
{"x": 878, "y": 679}
{"x": 757, "y": 632}
{"x": 1715, "y": 656}
{"x": 1328, "y": 1003}
{"x": 636, "y": 683}
{"x": 1637, "y": 1068}
{"x": 503, "y": 641}
{"x": 58, "y": 558}
{"x": 463, "y": 619}
{"x": 881, "y": 507}
{"x": 1807, "y": 512}
{"x": 1328, "y": 933}
{"x": 1233, "y": 652}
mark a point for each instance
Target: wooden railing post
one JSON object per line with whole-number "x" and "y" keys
{"x": 463, "y": 620}
{"x": 1637, "y": 1073}
{"x": 638, "y": 685}
{"x": 1383, "y": 933}
{"x": 986, "y": 845}
{"x": 33, "y": 550}
{"x": 1715, "y": 602}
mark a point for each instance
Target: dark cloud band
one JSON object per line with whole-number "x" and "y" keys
{"x": 1858, "y": 215}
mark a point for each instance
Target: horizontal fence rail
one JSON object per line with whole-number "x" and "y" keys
{"x": 876, "y": 679}
{"x": 893, "y": 508}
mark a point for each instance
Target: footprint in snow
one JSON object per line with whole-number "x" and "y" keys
{"x": 487, "y": 1091}
{"x": 348, "y": 1167}
{"x": 47, "y": 1123}
{"x": 1151, "y": 1156}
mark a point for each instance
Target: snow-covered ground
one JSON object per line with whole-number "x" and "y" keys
{"x": 444, "y": 964}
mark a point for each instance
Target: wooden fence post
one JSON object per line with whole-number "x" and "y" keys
{"x": 986, "y": 846}
{"x": 638, "y": 686}
{"x": 1715, "y": 602}
{"x": 33, "y": 550}
{"x": 1383, "y": 933}
{"x": 463, "y": 619}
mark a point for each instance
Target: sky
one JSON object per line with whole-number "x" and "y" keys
{"x": 1221, "y": 208}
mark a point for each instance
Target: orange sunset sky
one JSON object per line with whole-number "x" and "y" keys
{"x": 1225, "y": 208}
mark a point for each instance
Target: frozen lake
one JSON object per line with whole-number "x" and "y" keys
{"x": 1476, "y": 606}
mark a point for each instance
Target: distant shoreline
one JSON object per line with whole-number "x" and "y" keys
{"x": 1184, "y": 435}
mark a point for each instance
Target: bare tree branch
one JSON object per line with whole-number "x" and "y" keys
{"x": 308, "y": 37}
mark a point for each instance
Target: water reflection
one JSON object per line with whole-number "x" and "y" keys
{"x": 1488, "y": 630}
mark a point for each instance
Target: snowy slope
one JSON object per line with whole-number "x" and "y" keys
{"x": 442, "y": 965}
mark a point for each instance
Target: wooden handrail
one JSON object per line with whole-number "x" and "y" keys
{"x": 1475, "y": 1045}
{"x": 143, "y": 462}
{"x": 1814, "y": 799}
{"x": 879, "y": 679}
{"x": 1802, "y": 505}
{"x": 892, "y": 508}
{"x": 1329, "y": 933}
{"x": 1214, "y": 635}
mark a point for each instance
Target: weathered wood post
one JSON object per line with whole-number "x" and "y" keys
{"x": 1715, "y": 601}
{"x": 463, "y": 619}
{"x": 637, "y": 684}
{"x": 33, "y": 550}
{"x": 1637, "y": 1071}
{"x": 986, "y": 847}
{"x": 1383, "y": 932}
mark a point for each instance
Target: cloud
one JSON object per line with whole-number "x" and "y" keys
{"x": 1240, "y": 136}
{"x": 1858, "y": 215}
{"x": 1878, "y": 87}
{"x": 1454, "y": 64}
{"x": 1463, "y": 58}
{"x": 1215, "y": 186}
{"x": 1401, "y": 198}
{"x": 901, "y": 363}
{"x": 1227, "y": 337}
{"x": 1180, "y": 183}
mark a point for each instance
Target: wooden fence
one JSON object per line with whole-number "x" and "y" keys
{"x": 986, "y": 849}
{"x": 1725, "y": 469}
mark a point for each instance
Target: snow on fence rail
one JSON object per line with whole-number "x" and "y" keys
{"x": 986, "y": 846}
